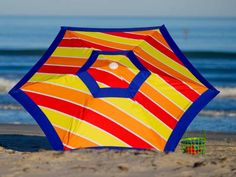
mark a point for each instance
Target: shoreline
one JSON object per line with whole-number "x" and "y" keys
{"x": 34, "y": 129}
{"x": 31, "y": 138}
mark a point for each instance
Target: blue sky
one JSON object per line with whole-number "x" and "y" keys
{"x": 120, "y": 7}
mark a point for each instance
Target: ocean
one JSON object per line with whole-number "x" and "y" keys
{"x": 209, "y": 43}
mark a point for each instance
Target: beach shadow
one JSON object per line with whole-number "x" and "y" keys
{"x": 24, "y": 143}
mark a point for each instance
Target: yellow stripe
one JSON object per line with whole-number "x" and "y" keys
{"x": 135, "y": 110}
{"x": 72, "y": 52}
{"x": 74, "y": 81}
{"x": 101, "y": 107}
{"x": 156, "y": 82}
{"x": 82, "y": 128}
{"x": 126, "y": 105}
{"x": 118, "y": 39}
{"x": 153, "y": 80}
{"x": 168, "y": 91}
{"x": 147, "y": 48}
{"x": 84, "y": 52}
{"x": 159, "y": 84}
{"x": 169, "y": 62}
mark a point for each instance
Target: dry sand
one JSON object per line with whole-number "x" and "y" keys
{"x": 24, "y": 151}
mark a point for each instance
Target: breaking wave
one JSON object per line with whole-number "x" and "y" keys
{"x": 6, "y": 84}
{"x": 10, "y": 107}
{"x": 217, "y": 113}
{"x": 203, "y": 113}
{"x": 225, "y": 92}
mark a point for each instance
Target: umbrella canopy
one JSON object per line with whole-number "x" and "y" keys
{"x": 117, "y": 88}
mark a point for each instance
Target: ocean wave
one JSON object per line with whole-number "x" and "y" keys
{"x": 227, "y": 92}
{"x": 190, "y": 54}
{"x": 217, "y": 113}
{"x": 203, "y": 113}
{"x": 10, "y": 107}
{"x": 6, "y": 84}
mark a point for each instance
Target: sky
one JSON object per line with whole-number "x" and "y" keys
{"x": 195, "y": 8}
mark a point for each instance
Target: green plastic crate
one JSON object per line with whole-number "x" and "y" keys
{"x": 193, "y": 145}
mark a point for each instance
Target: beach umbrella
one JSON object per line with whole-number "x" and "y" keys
{"x": 116, "y": 88}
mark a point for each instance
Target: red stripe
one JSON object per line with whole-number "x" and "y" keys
{"x": 105, "y": 76}
{"x": 139, "y": 97}
{"x": 164, "y": 50}
{"x": 150, "y": 40}
{"x": 177, "y": 84}
{"x": 58, "y": 69}
{"x": 83, "y": 43}
{"x": 157, "y": 45}
{"x": 90, "y": 117}
{"x": 67, "y": 148}
{"x": 128, "y": 35}
{"x": 155, "y": 109}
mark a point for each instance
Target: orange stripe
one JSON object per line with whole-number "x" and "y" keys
{"x": 158, "y": 36}
{"x": 198, "y": 88}
{"x": 104, "y": 42}
{"x": 162, "y": 101}
{"x": 146, "y": 89}
{"x": 69, "y": 34}
{"x": 72, "y": 139}
{"x": 100, "y": 106}
{"x": 79, "y": 62}
{"x": 163, "y": 67}
{"x": 147, "y": 57}
{"x": 155, "y": 34}
{"x": 145, "y": 32}
{"x": 149, "y": 91}
{"x": 66, "y": 61}
{"x": 128, "y": 75}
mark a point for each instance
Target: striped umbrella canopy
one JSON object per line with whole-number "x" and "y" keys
{"x": 117, "y": 88}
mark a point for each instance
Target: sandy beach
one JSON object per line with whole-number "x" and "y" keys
{"x": 24, "y": 151}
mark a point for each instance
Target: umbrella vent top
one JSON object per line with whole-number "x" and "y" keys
{"x": 128, "y": 92}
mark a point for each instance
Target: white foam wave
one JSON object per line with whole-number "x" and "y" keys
{"x": 218, "y": 113}
{"x": 227, "y": 92}
{"x": 204, "y": 113}
{"x": 6, "y": 84}
{"x": 10, "y": 107}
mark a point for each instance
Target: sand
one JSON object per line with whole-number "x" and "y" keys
{"x": 24, "y": 151}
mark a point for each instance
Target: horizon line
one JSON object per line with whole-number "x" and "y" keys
{"x": 114, "y": 16}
